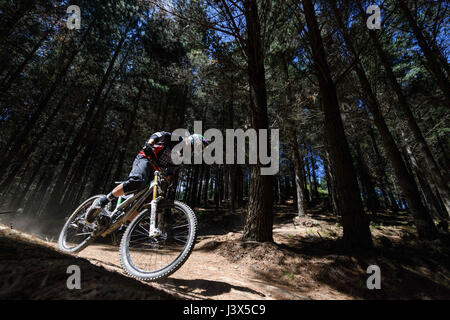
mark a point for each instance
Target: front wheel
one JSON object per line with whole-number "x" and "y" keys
{"x": 150, "y": 258}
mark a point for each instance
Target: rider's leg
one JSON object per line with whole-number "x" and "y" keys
{"x": 102, "y": 202}
{"x": 137, "y": 179}
{"x": 118, "y": 191}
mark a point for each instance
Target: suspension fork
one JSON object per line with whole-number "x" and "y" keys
{"x": 154, "y": 231}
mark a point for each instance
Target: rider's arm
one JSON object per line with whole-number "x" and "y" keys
{"x": 159, "y": 137}
{"x": 156, "y": 138}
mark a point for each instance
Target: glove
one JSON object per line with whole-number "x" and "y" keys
{"x": 148, "y": 150}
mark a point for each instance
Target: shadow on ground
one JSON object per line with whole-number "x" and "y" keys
{"x": 31, "y": 269}
{"x": 207, "y": 288}
{"x": 308, "y": 259}
{"x": 409, "y": 270}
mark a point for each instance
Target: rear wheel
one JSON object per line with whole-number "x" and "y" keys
{"x": 76, "y": 233}
{"x": 151, "y": 258}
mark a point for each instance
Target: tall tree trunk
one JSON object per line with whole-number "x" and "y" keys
{"x": 441, "y": 184}
{"x": 200, "y": 185}
{"x": 423, "y": 221}
{"x": 233, "y": 184}
{"x": 308, "y": 175}
{"x": 368, "y": 185}
{"x": 331, "y": 185}
{"x": 188, "y": 184}
{"x": 444, "y": 158}
{"x": 431, "y": 163}
{"x": 434, "y": 205}
{"x": 216, "y": 189}
{"x": 220, "y": 185}
{"x": 355, "y": 223}
{"x": 298, "y": 165}
{"x": 381, "y": 167}
{"x": 226, "y": 185}
{"x": 259, "y": 220}
{"x": 240, "y": 189}
{"x": 194, "y": 185}
{"x": 206, "y": 186}
{"x": 314, "y": 177}
{"x": 280, "y": 191}
{"x": 297, "y": 158}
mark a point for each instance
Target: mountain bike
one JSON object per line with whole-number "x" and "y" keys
{"x": 158, "y": 240}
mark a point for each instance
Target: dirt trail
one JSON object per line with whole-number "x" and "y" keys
{"x": 210, "y": 272}
{"x": 304, "y": 262}
{"x": 209, "y": 275}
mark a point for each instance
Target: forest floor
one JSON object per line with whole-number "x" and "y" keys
{"x": 305, "y": 261}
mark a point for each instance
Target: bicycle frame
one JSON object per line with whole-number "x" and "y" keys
{"x": 141, "y": 196}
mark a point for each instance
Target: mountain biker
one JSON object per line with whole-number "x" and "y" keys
{"x": 159, "y": 148}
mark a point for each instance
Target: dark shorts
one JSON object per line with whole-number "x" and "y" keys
{"x": 141, "y": 174}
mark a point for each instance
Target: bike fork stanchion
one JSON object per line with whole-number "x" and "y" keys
{"x": 154, "y": 231}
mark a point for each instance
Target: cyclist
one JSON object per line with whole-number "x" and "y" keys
{"x": 157, "y": 148}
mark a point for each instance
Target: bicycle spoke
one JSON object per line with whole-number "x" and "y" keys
{"x": 183, "y": 226}
{"x": 150, "y": 254}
